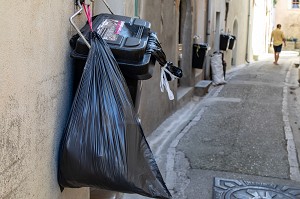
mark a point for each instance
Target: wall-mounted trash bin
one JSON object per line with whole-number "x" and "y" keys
{"x": 127, "y": 38}
{"x": 224, "y": 38}
{"x": 232, "y": 39}
{"x": 199, "y": 52}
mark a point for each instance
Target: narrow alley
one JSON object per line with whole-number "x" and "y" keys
{"x": 100, "y": 99}
{"x": 245, "y": 130}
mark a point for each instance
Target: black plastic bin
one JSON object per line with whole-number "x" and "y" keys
{"x": 224, "y": 39}
{"x": 127, "y": 38}
{"x": 199, "y": 52}
{"x": 232, "y": 39}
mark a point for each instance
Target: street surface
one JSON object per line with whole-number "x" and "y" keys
{"x": 247, "y": 129}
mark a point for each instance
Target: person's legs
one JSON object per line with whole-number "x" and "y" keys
{"x": 275, "y": 54}
{"x": 277, "y": 50}
{"x": 276, "y": 57}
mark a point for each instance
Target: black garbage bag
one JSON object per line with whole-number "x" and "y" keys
{"x": 103, "y": 145}
{"x": 156, "y": 50}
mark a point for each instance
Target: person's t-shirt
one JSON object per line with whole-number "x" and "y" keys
{"x": 278, "y": 37}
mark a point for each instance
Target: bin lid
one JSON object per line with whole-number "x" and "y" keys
{"x": 127, "y": 38}
{"x": 232, "y": 37}
{"x": 201, "y": 45}
{"x": 224, "y": 35}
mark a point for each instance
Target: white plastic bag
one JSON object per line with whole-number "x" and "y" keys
{"x": 217, "y": 69}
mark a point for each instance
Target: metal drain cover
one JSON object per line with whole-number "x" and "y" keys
{"x": 241, "y": 189}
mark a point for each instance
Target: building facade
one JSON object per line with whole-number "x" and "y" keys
{"x": 287, "y": 14}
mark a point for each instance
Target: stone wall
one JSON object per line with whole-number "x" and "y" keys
{"x": 35, "y": 96}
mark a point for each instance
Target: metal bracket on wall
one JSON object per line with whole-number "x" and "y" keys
{"x": 74, "y": 25}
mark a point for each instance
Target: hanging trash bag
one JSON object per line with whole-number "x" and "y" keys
{"x": 103, "y": 145}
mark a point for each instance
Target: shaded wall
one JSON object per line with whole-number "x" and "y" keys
{"x": 155, "y": 106}
{"x": 35, "y": 97}
{"x": 187, "y": 34}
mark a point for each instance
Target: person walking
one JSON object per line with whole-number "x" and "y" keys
{"x": 278, "y": 39}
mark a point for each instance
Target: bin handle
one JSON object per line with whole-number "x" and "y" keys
{"x": 76, "y": 28}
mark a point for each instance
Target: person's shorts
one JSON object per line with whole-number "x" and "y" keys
{"x": 277, "y": 49}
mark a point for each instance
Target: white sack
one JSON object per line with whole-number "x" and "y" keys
{"x": 217, "y": 69}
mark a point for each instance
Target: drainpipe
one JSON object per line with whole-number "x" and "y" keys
{"x": 136, "y": 10}
{"x": 248, "y": 29}
{"x": 208, "y": 17}
{"x": 208, "y": 38}
{"x": 226, "y": 13}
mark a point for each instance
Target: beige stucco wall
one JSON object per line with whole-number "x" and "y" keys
{"x": 238, "y": 12}
{"x": 200, "y": 20}
{"x": 215, "y": 27}
{"x": 35, "y": 97}
{"x": 288, "y": 18}
{"x": 118, "y": 7}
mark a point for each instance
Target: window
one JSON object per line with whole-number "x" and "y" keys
{"x": 295, "y": 3}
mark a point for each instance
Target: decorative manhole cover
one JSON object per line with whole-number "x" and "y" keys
{"x": 241, "y": 189}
